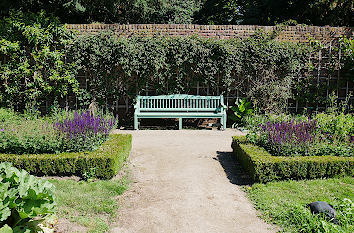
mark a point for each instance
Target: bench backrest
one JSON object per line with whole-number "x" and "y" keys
{"x": 179, "y": 103}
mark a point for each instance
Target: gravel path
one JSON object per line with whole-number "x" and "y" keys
{"x": 186, "y": 181}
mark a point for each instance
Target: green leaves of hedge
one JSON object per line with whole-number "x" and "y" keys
{"x": 23, "y": 196}
{"x": 106, "y": 160}
{"x": 32, "y": 64}
{"x": 263, "y": 167}
{"x": 259, "y": 66}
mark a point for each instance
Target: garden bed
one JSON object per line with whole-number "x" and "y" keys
{"x": 105, "y": 162}
{"x": 263, "y": 167}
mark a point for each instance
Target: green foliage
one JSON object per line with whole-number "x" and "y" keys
{"x": 340, "y": 127}
{"x": 264, "y": 167}
{"x": 110, "y": 11}
{"x": 107, "y": 160}
{"x": 29, "y": 136}
{"x": 261, "y": 12}
{"x": 252, "y": 122}
{"x": 33, "y": 66}
{"x": 8, "y": 115}
{"x": 23, "y": 134}
{"x": 333, "y": 135}
{"x": 265, "y": 12}
{"x": 126, "y": 66}
{"x": 284, "y": 203}
{"x": 219, "y": 12}
{"x": 347, "y": 58}
{"x": 89, "y": 175}
{"x": 23, "y": 197}
{"x": 241, "y": 109}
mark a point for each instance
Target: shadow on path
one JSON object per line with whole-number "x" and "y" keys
{"x": 233, "y": 169}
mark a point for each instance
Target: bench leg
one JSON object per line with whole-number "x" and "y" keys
{"x": 179, "y": 123}
{"x": 223, "y": 122}
{"x": 136, "y": 123}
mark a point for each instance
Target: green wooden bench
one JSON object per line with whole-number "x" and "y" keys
{"x": 180, "y": 106}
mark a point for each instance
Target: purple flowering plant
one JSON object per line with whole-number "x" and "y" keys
{"x": 299, "y": 138}
{"x": 286, "y": 137}
{"x": 84, "y": 131}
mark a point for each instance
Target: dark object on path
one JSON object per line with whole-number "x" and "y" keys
{"x": 321, "y": 207}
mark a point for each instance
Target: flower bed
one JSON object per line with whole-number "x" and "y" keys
{"x": 106, "y": 160}
{"x": 70, "y": 132}
{"x": 263, "y": 167}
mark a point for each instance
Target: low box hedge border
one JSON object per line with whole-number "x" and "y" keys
{"x": 263, "y": 167}
{"x": 107, "y": 160}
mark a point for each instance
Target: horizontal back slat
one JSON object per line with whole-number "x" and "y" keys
{"x": 179, "y": 103}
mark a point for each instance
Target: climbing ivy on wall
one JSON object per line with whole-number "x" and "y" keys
{"x": 259, "y": 67}
{"x": 40, "y": 60}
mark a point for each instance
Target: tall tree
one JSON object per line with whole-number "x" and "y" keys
{"x": 109, "y": 11}
{"x": 270, "y": 12}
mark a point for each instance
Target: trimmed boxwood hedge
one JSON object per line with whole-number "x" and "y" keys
{"x": 263, "y": 167}
{"x": 107, "y": 160}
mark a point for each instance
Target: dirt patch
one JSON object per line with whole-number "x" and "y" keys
{"x": 65, "y": 226}
{"x": 186, "y": 181}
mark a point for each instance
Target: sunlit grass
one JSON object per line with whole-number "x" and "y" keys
{"x": 92, "y": 205}
{"x": 284, "y": 203}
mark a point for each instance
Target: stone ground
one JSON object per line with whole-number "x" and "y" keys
{"x": 186, "y": 181}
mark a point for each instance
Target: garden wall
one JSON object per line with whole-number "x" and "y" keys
{"x": 299, "y": 33}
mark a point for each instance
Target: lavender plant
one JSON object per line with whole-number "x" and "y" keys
{"x": 299, "y": 138}
{"x": 288, "y": 137}
{"x": 84, "y": 131}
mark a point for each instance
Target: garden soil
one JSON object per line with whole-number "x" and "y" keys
{"x": 186, "y": 181}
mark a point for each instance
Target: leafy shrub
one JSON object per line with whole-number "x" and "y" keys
{"x": 263, "y": 167}
{"x": 7, "y": 115}
{"x": 35, "y": 66}
{"x": 29, "y": 136}
{"x": 241, "y": 109}
{"x": 106, "y": 160}
{"x": 336, "y": 127}
{"x": 84, "y": 131}
{"x": 23, "y": 197}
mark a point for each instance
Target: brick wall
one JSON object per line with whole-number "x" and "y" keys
{"x": 288, "y": 33}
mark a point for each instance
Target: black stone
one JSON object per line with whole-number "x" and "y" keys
{"x": 321, "y": 207}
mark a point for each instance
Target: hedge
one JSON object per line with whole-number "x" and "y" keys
{"x": 107, "y": 160}
{"x": 263, "y": 167}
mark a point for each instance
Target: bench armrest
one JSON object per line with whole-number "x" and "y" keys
{"x": 223, "y": 106}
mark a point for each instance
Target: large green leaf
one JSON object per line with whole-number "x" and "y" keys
{"x": 6, "y": 229}
{"x": 24, "y": 196}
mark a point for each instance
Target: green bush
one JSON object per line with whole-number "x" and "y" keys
{"x": 338, "y": 126}
{"x": 263, "y": 167}
{"x": 35, "y": 67}
{"x": 29, "y": 136}
{"x": 23, "y": 197}
{"x": 106, "y": 160}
